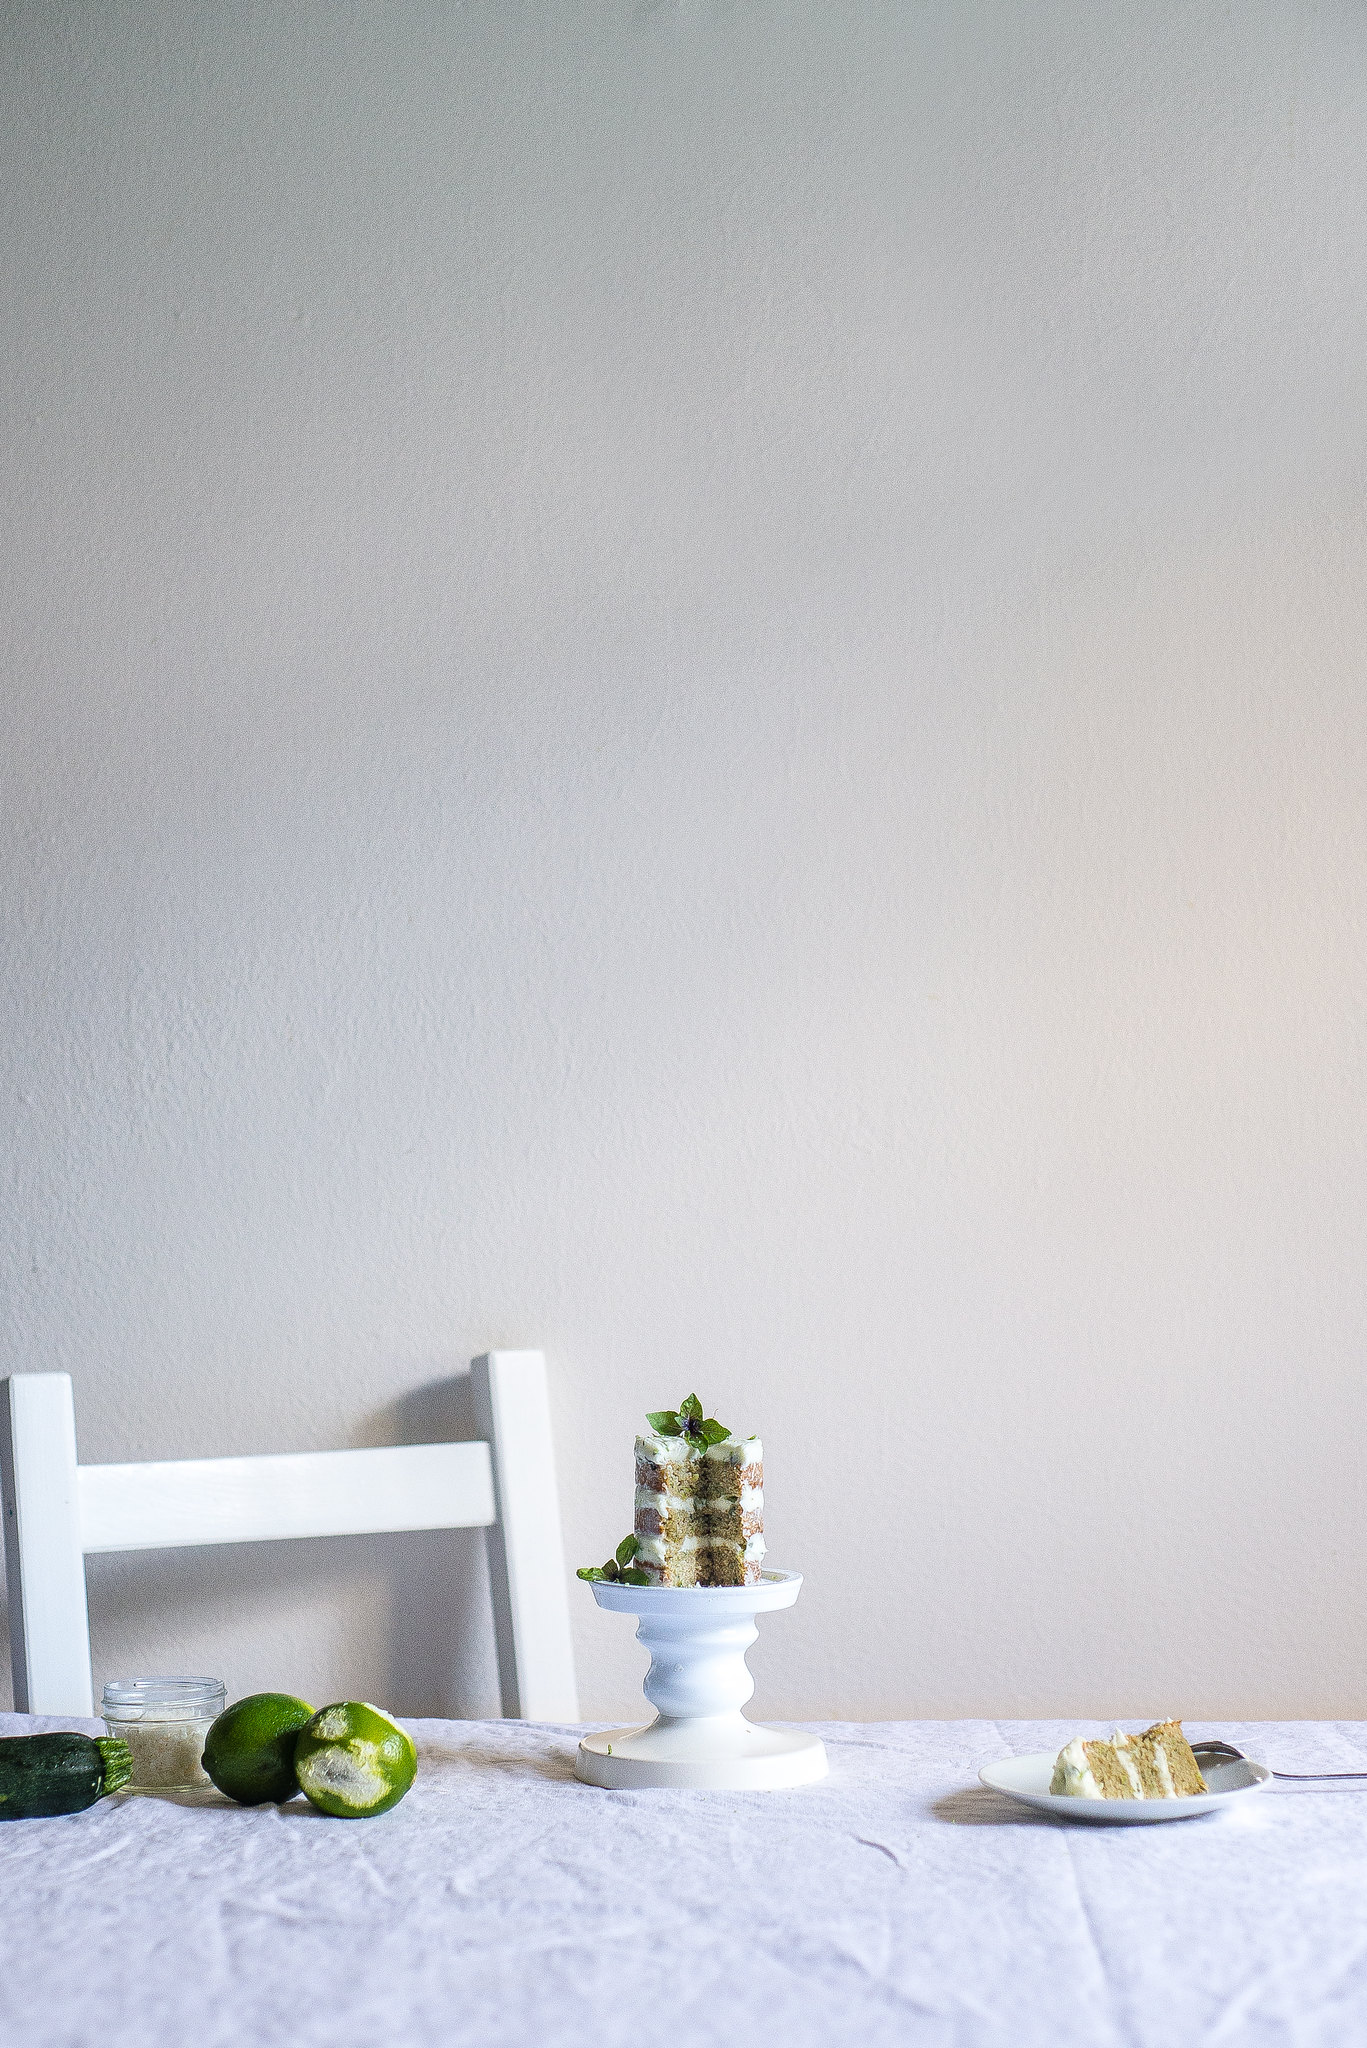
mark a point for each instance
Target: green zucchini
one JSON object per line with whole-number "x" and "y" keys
{"x": 46, "y": 1774}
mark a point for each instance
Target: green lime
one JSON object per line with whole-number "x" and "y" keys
{"x": 354, "y": 1761}
{"x": 249, "y": 1751}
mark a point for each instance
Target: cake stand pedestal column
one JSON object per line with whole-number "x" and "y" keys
{"x": 698, "y": 1682}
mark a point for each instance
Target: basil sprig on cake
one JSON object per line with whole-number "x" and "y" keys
{"x": 619, "y": 1569}
{"x": 687, "y": 1421}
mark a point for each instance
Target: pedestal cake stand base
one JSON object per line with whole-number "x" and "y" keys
{"x": 698, "y": 1682}
{"x": 734, "y": 1756}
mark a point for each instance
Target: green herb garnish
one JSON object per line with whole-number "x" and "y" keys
{"x": 687, "y": 1420}
{"x": 619, "y": 1568}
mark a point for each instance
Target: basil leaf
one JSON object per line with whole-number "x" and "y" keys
{"x": 664, "y": 1422}
{"x": 691, "y": 1408}
{"x": 610, "y": 1569}
{"x": 590, "y": 1572}
{"x": 715, "y": 1432}
{"x": 627, "y": 1549}
{"x": 635, "y": 1577}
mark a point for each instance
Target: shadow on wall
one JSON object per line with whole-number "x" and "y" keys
{"x": 402, "y": 1620}
{"x": 440, "y": 1628}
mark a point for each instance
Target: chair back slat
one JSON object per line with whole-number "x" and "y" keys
{"x": 266, "y": 1499}
{"x": 57, "y": 1511}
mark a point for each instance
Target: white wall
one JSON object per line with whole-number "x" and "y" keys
{"x": 685, "y": 682}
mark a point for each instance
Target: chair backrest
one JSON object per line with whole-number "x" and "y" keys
{"x": 58, "y": 1511}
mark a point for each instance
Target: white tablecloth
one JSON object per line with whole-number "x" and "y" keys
{"x": 504, "y": 1904}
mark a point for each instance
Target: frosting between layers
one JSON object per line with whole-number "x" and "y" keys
{"x": 1164, "y": 1770}
{"x": 750, "y": 1500}
{"x": 655, "y": 1549}
{"x": 1127, "y": 1764}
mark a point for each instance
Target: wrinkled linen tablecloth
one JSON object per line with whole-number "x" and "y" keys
{"x": 503, "y": 1903}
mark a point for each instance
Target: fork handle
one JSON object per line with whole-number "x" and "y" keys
{"x": 1227, "y": 1749}
{"x": 1317, "y": 1777}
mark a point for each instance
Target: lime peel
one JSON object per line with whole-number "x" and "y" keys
{"x": 249, "y": 1750}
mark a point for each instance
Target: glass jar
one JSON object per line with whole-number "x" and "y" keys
{"x": 164, "y": 1722}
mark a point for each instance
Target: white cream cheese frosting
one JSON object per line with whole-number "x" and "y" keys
{"x": 664, "y": 1450}
{"x": 736, "y": 1451}
{"x": 1073, "y": 1773}
{"x": 1121, "y": 1745}
{"x": 656, "y": 1550}
{"x": 750, "y": 1500}
{"x": 1164, "y": 1770}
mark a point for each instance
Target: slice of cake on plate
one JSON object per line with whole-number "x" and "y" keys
{"x": 1155, "y": 1765}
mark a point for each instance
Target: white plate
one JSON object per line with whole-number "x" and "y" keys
{"x": 1027, "y": 1778}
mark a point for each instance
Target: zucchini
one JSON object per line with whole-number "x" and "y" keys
{"x": 46, "y": 1774}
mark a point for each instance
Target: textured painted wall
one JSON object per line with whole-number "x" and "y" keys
{"x": 686, "y": 682}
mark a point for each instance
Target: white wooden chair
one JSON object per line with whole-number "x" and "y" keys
{"x": 57, "y": 1512}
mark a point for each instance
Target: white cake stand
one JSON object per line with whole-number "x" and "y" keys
{"x": 698, "y": 1682}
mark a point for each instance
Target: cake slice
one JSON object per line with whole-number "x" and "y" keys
{"x": 1155, "y": 1765}
{"x": 699, "y": 1502}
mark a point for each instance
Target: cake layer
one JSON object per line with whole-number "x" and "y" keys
{"x": 679, "y": 1477}
{"x": 674, "y": 1464}
{"x": 660, "y": 1549}
{"x": 704, "y": 1568}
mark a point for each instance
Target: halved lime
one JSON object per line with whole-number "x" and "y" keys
{"x": 353, "y": 1761}
{"x": 249, "y": 1750}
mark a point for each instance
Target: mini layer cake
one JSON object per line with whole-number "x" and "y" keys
{"x": 699, "y": 1510}
{"x": 1155, "y": 1765}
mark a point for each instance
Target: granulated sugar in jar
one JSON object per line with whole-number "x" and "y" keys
{"x": 164, "y": 1722}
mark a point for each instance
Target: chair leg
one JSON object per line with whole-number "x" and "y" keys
{"x": 44, "y": 1565}
{"x": 526, "y": 1549}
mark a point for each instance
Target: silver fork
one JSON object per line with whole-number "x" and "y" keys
{"x": 1216, "y": 1752}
